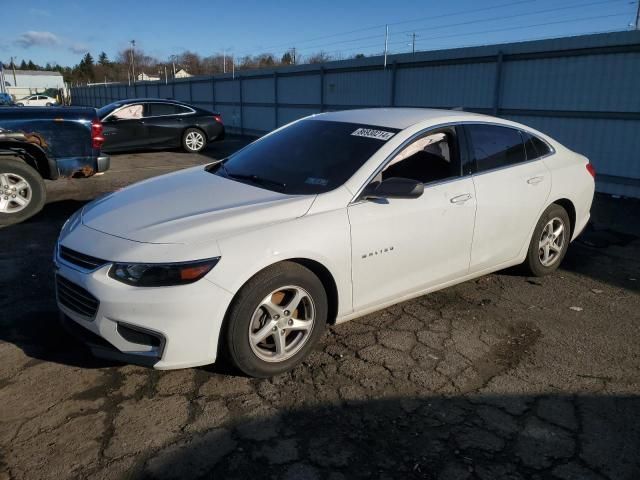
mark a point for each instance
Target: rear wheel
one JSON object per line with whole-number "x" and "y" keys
{"x": 549, "y": 243}
{"x": 275, "y": 320}
{"x": 49, "y": 104}
{"x": 193, "y": 140}
{"x": 22, "y": 191}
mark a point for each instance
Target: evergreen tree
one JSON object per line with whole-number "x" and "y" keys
{"x": 103, "y": 59}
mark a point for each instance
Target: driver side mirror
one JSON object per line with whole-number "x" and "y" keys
{"x": 393, "y": 188}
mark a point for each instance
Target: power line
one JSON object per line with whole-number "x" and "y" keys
{"x": 469, "y": 22}
{"x": 431, "y": 17}
{"x": 480, "y": 32}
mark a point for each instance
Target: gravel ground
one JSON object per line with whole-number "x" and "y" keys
{"x": 504, "y": 377}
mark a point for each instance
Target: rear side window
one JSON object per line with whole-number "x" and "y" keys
{"x": 494, "y": 146}
{"x": 159, "y": 109}
{"x": 534, "y": 147}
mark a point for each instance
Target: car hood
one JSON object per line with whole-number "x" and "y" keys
{"x": 190, "y": 206}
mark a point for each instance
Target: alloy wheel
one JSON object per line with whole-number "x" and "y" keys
{"x": 282, "y": 324}
{"x": 194, "y": 140}
{"x": 551, "y": 242}
{"x": 15, "y": 193}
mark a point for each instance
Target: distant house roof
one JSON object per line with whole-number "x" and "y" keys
{"x": 36, "y": 72}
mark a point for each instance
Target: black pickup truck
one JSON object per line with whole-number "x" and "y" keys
{"x": 44, "y": 143}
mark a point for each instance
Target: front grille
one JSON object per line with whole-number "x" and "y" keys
{"x": 76, "y": 298}
{"x": 80, "y": 259}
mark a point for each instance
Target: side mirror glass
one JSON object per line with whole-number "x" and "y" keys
{"x": 394, "y": 188}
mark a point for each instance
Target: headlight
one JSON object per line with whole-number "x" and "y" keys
{"x": 161, "y": 275}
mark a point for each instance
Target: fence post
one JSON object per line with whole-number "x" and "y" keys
{"x": 498, "y": 85}
{"x": 190, "y": 91}
{"x": 241, "y": 113}
{"x": 394, "y": 67}
{"x": 146, "y": 90}
{"x": 173, "y": 89}
{"x": 213, "y": 93}
{"x": 321, "y": 89}
{"x": 275, "y": 98}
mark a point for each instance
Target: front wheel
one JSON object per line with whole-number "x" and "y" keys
{"x": 22, "y": 191}
{"x": 549, "y": 243}
{"x": 193, "y": 140}
{"x": 49, "y": 104}
{"x": 275, "y": 320}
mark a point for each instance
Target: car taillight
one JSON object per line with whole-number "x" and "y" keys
{"x": 218, "y": 118}
{"x": 591, "y": 170}
{"x": 97, "y": 139}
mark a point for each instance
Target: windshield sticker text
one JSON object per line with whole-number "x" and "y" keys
{"x": 371, "y": 133}
{"x": 317, "y": 181}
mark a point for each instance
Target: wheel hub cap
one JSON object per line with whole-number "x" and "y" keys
{"x": 15, "y": 193}
{"x": 551, "y": 242}
{"x": 281, "y": 324}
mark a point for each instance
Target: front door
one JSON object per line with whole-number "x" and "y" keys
{"x": 125, "y": 129}
{"x": 402, "y": 246}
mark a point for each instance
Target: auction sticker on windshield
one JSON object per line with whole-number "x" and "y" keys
{"x": 371, "y": 133}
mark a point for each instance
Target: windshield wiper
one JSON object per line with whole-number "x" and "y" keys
{"x": 257, "y": 179}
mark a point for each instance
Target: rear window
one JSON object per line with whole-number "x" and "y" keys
{"x": 308, "y": 157}
{"x": 495, "y": 146}
{"x": 535, "y": 147}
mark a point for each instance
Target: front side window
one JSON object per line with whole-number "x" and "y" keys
{"x": 129, "y": 112}
{"x": 308, "y": 157}
{"x": 495, "y": 146}
{"x": 432, "y": 157}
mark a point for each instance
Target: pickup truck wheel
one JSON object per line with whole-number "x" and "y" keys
{"x": 22, "y": 191}
{"x": 193, "y": 140}
{"x": 275, "y": 320}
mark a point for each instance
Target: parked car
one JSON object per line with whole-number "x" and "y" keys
{"x": 44, "y": 143}
{"x": 327, "y": 219}
{"x": 158, "y": 124}
{"x": 6, "y": 100}
{"x": 37, "y": 101}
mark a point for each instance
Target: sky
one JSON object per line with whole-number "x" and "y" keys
{"x": 62, "y": 31}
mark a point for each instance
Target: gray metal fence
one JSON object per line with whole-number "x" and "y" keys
{"x": 583, "y": 91}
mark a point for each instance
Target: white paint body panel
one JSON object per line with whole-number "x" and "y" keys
{"x": 193, "y": 214}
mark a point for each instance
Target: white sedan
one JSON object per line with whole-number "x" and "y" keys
{"x": 37, "y": 101}
{"x": 324, "y": 220}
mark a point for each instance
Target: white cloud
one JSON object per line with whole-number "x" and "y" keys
{"x": 40, "y": 12}
{"x": 40, "y": 39}
{"x": 78, "y": 48}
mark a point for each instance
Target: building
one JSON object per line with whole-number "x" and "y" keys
{"x": 143, "y": 77}
{"x": 182, "y": 73}
{"x": 21, "y": 83}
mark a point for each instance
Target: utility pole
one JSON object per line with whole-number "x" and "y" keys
{"x": 638, "y": 16}
{"x": 413, "y": 42}
{"x": 13, "y": 67}
{"x": 133, "y": 64}
{"x": 293, "y": 55}
{"x": 386, "y": 44}
{"x": 173, "y": 64}
{"x": 233, "y": 67}
{"x": 224, "y": 60}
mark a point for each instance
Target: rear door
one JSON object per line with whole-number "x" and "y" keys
{"x": 165, "y": 123}
{"x": 511, "y": 192}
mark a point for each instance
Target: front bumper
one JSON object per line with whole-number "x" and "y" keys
{"x": 163, "y": 327}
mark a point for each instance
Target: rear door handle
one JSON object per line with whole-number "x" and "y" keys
{"x": 535, "y": 180}
{"x": 461, "y": 198}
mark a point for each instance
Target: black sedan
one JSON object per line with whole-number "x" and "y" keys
{"x": 157, "y": 124}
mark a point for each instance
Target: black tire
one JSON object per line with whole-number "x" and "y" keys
{"x": 20, "y": 104}
{"x": 14, "y": 168}
{"x": 534, "y": 264}
{"x": 49, "y": 104}
{"x": 190, "y": 141}
{"x": 236, "y": 345}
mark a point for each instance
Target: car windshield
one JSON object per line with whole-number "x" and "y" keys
{"x": 107, "y": 109}
{"x": 306, "y": 158}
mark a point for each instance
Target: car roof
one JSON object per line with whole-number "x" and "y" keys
{"x": 154, "y": 100}
{"x": 400, "y": 118}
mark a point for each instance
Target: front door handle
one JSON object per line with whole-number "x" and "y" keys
{"x": 461, "y": 198}
{"x": 535, "y": 180}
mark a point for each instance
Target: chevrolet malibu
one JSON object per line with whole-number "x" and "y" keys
{"x": 324, "y": 220}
